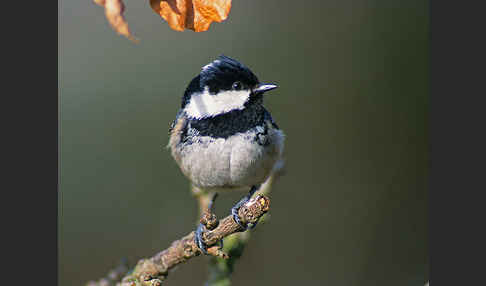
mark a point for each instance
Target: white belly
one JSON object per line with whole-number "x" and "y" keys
{"x": 236, "y": 162}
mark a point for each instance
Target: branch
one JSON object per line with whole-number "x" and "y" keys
{"x": 220, "y": 270}
{"x": 152, "y": 271}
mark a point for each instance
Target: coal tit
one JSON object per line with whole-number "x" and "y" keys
{"x": 223, "y": 138}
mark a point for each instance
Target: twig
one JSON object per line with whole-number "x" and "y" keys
{"x": 152, "y": 271}
{"x": 220, "y": 270}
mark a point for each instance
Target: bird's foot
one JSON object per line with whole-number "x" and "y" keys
{"x": 208, "y": 221}
{"x": 198, "y": 239}
{"x": 234, "y": 210}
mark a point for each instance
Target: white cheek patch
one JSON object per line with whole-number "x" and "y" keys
{"x": 204, "y": 104}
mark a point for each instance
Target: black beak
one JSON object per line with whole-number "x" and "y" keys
{"x": 264, "y": 87}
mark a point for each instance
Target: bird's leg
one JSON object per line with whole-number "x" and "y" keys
{"x": 208, "y": 221}
{"x": 234, "y": 210}
{"x": 199, "y": 240}
{"x": 203, "y": 198}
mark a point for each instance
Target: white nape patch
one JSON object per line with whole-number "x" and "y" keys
{"x": 204, "y": 104}
{"x": 210, "y": 64}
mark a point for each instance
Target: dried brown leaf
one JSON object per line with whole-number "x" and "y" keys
{"x": 114, "y": 14}
{"x": 196, "y": 15}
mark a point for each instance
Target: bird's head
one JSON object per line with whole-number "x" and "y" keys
{"x": 222, "y": 86}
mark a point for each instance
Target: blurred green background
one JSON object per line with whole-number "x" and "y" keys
{"x": 353, "y": 102}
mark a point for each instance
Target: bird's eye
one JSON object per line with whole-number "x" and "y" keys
{"x": 237, "y": 85}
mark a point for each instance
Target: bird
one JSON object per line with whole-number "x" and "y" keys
{"x": 223, "y": 138}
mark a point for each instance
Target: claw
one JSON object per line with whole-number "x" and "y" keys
{"x": 198, "y": 239}
{"x": 235, "y": 209}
